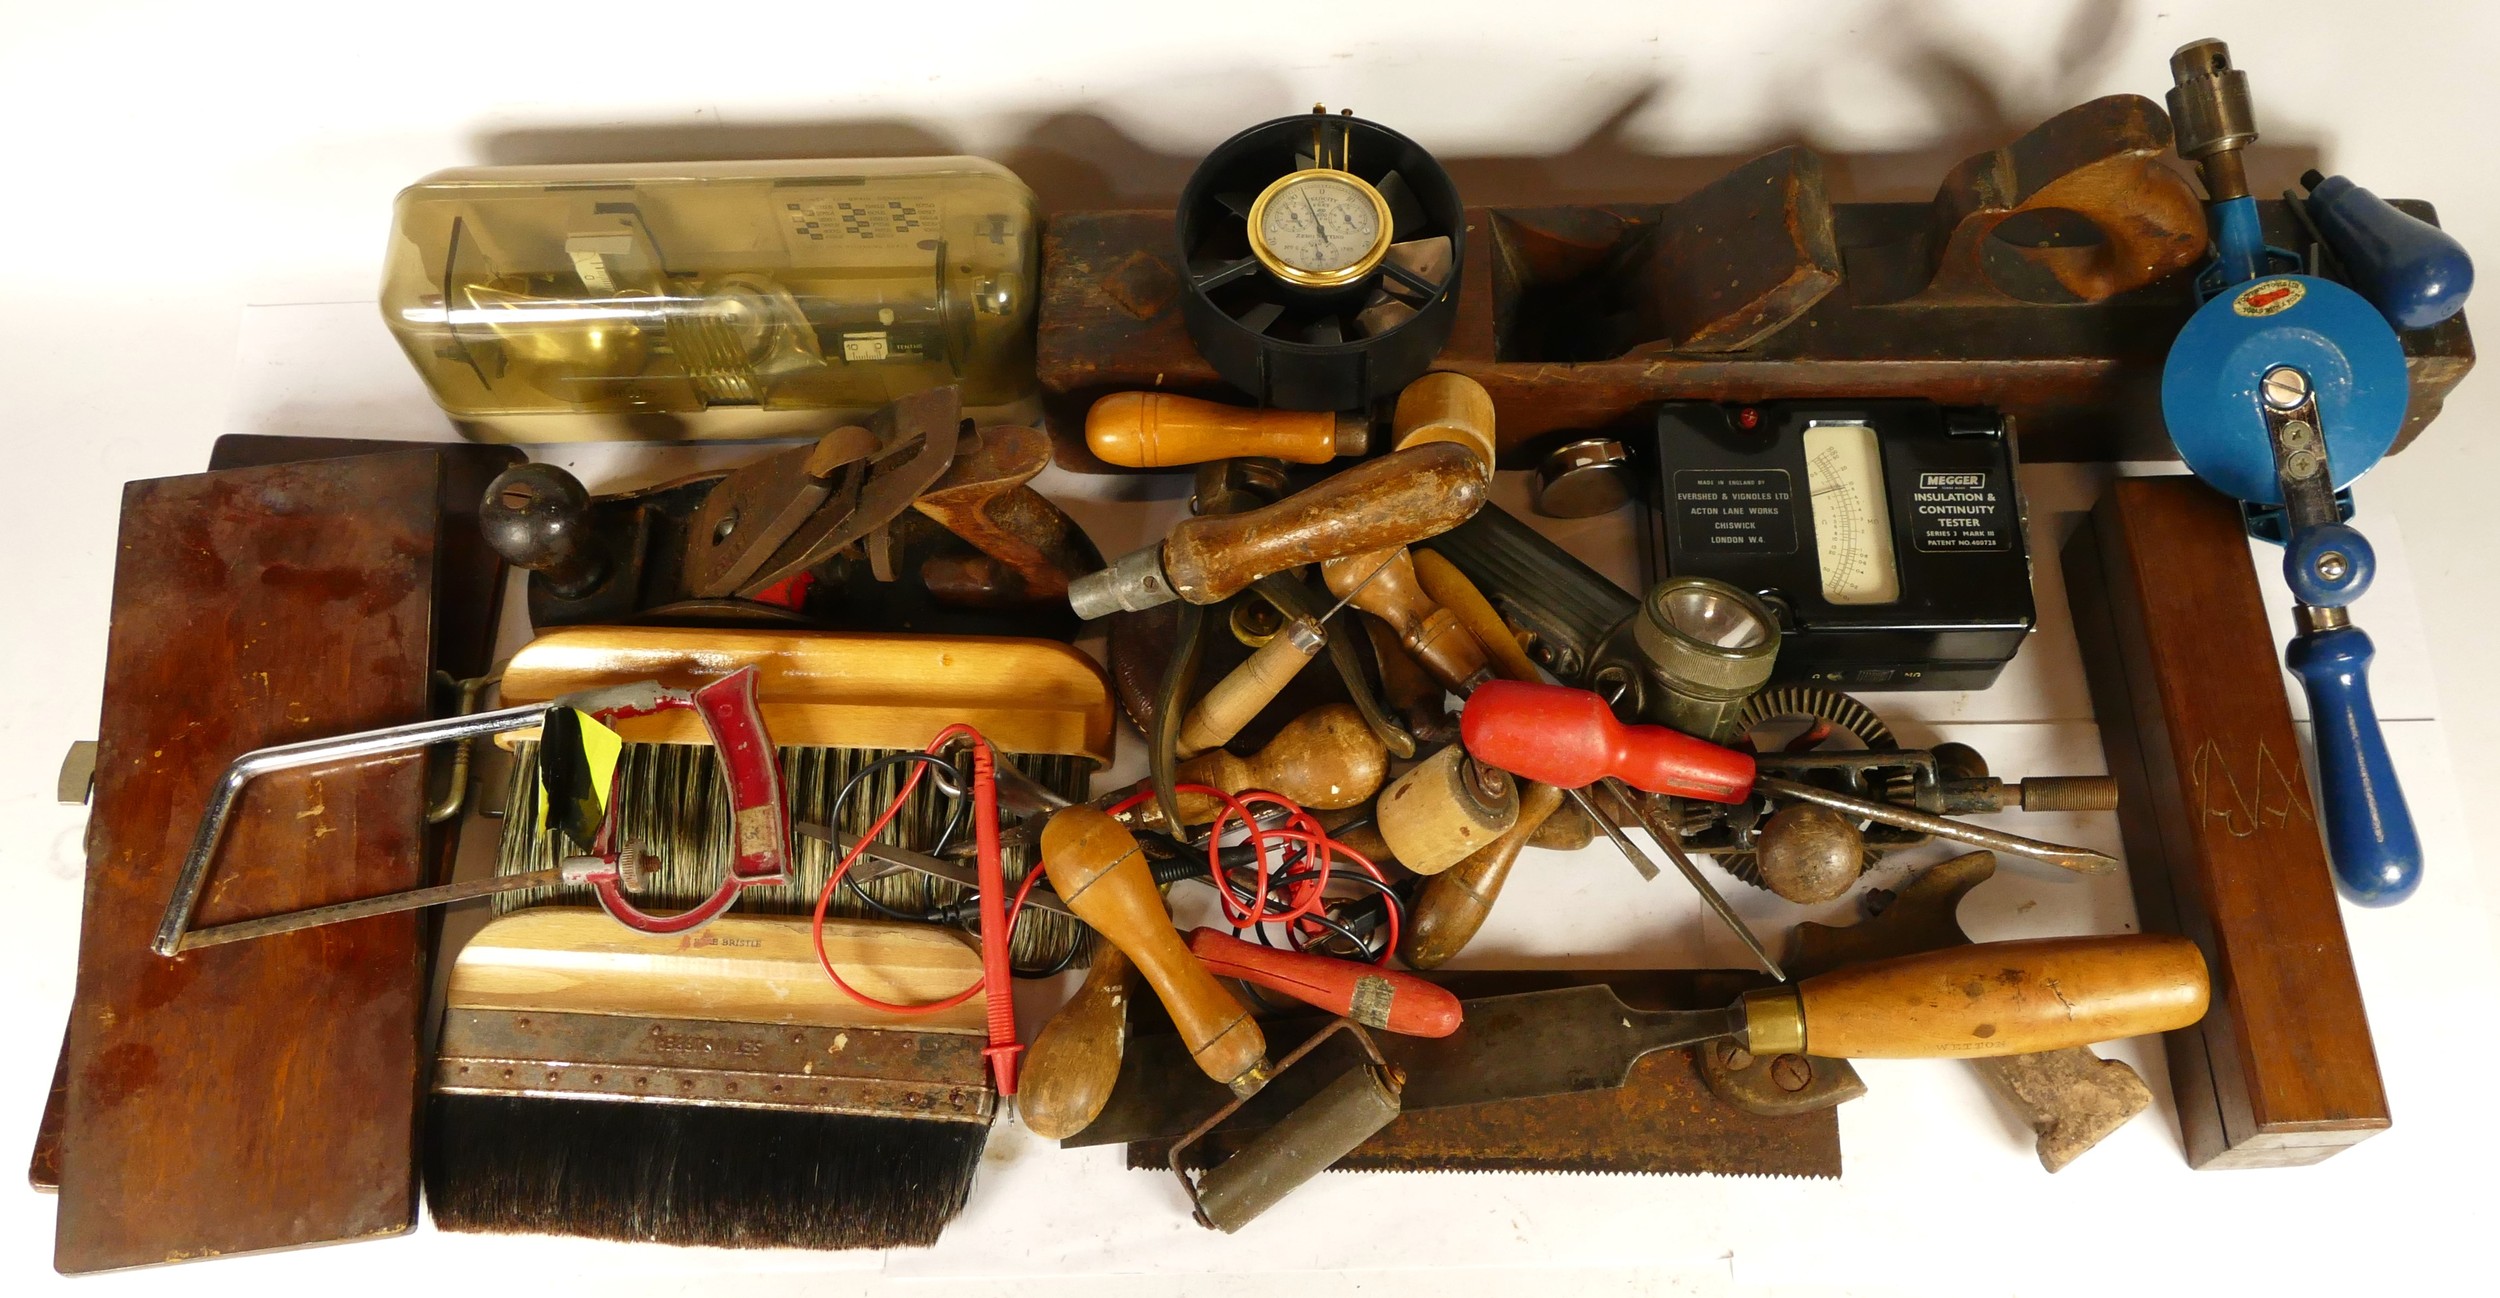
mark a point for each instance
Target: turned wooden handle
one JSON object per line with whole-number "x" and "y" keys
{"x": 1325, "y": 759}
{"x": 1068, "y": 1074}
{"x": 1445, "y": 809}
{"x": 2000, "y": 998}
{"x": 1456, "y": 902}
{"x": 1450, "y": 589}
{"x": 1248, "y": 688}
{"x": 1381, "y": 503}
{"x": 1446, "y": 408}
{"x": 1096, "y": 866}
{"x": 1369, "y": 995}
{"x": 1382, "y": 583}
{"x": 1155, "y": 430}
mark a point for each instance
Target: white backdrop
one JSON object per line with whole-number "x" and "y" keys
{"x": 194, "y": 216}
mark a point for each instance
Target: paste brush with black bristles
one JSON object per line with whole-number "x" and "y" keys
{"x": 716, "y": 1087}
{"x": 710, "y": 1088}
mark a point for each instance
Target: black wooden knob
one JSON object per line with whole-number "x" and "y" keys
{"x": 537, "y": 516}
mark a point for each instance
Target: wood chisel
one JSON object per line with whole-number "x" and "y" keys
{"x": 1998, "y": 998}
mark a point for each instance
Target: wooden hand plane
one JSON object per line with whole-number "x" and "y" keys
{"x": 914, "y": 521}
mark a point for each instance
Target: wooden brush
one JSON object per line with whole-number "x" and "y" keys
{"x": 716, "y": 1088}
{"x": 835, "y": 703}
{"x": 710, "y": 1088}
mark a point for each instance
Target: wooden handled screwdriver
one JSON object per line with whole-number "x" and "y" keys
{"x": 1102, "y": 875}
{"x": 1156, "y": 430}
{"x": 1398, "y": 498}
{"x": 1993, "y": 998}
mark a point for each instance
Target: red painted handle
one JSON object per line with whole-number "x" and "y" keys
{"x": 1369, "y": 995}
{"x": 1570, "y": 738}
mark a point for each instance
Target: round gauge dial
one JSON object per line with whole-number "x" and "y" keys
{"x": 1852, "y": 523}
{"x": 1320, "y": 228}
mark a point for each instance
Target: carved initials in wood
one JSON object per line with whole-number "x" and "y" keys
{"x": 2267, "y": 800}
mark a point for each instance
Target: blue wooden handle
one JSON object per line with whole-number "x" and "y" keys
{"x": 2369, "y": 831}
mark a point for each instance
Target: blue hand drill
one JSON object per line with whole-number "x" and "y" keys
{"x": 2283, "y": 388}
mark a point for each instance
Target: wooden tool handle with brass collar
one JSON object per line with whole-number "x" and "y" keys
{"x": 1456, "y": 902}
{"x": 1995, "y": 998}
{"x": 1157, "y": 430}
{"x": 1382, "y": 583}
{"x": 1381, "y": 503}
{"x": 1068, "y": 1074}
{"x": 1099, "y": 871}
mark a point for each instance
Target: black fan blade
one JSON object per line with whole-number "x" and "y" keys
{"x": 1406, "y": 215}
{"x": 1222, "y": 273}
{"x": 1237, "y": 203}
{"x": 1325, "y": 333}
{"x": 1258, "y": 318}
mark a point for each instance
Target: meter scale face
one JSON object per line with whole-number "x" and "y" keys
{"x": 1852, "y": 524}
{"x": 1886, "y": 535}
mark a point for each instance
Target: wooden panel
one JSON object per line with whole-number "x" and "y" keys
{"x": 261, "y": 1095}
{"x": 2081, "y": 380}
{"x": 2222, "y": 836}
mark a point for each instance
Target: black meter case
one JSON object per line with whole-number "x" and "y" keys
{"x": 1886, "y": 535}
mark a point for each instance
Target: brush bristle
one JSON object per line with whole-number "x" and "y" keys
{"x": 688, "y": 1174}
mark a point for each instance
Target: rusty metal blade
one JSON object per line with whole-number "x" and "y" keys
{"x": 1510, "y": 1048}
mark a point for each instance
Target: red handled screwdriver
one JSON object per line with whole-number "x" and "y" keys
{"x": 1369, "y": 995}
{"x": 1556, "y": 735}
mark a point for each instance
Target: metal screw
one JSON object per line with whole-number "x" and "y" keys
{"x": 2334, "y": 565}
{"x": 1734, "y": 1056}
{"x": 2300, "y": 435}
{"x": 2300, "y": 465}
{"x": 2284, "y": 387}
{"x": 1792, "y": 1072}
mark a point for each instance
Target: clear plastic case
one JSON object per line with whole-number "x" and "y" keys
{"x": 711, "y": 300}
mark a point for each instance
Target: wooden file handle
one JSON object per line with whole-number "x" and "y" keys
{"x": 1250, "y": 687}
{"x": 1155, "y": 430}
{"x": 1099, "y": 872}
{"x": 1382, "y": 583}
{"x": 1995, "y": 998}
{"x": 1369, "y": 995}
{"x": 1456, "y": 902}
{"x": 1326, "y": 759}
{"x": 1391, "y": 501}
{"x": 1070, "y": 1069}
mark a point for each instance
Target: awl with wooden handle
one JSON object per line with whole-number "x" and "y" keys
{"x": 1247, "y": 689}
{"x": 1571, "y": 738}
{"x": 1995, "y": 998}
{"x": 1398, "y": 498}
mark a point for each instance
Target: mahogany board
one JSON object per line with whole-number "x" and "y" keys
{"x": 2221, "y": 830}
{"x": 263, "y": 1095}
